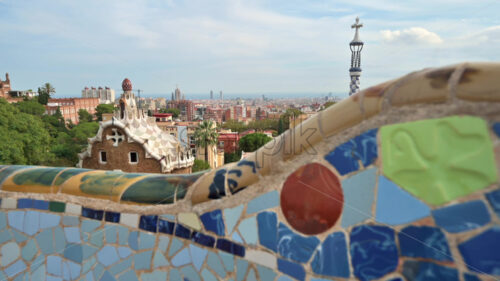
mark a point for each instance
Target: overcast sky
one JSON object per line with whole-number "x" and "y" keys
{"x": 268, "y": 46}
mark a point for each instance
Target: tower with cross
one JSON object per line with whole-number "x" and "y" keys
{"x": 356, "y": 46}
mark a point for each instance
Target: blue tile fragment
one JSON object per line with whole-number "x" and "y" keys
{"x": 149, "y": 223}
{"x": 146, "y": 240}
{"x": 54, "y": 265}
{"x": 230, "y": 247}
{"x": 481, "y": 253}
{"x": 206, "y": 275}
{"x": 373, "y": 251}
{"x": 232, "y": 216}
{"x": 237, "y": 238}
{"x": 89, "y": 225}
{"x": 190, "y": 273}
{"x": 215, "y": 264}
{"x": 15, "y": 268}
{"x": 295, "y": 246}
{"x": 124, "y": 252}
{"x": 92, "y": 214}
{"x": 496, "y": 129}
{"x": 108, "y": 255}
{"x": 181, "y": 258}
{"x": 268, "y": 230}
{"x": 241, "y": 269}
{"x": 362, "y": 148}
{"x": 110, "y": 231}
{"x": 264, "y": 201}
{"x": 331, "y": 258}
{"x": 26, "y": 203}
{"x": 74, "y": 252}
{"x": 154, "y": 276}
{"x": 16, "y": 219}
{"x": 112, "y": 216}
{"x": 249, "y": 231}
{"x": 133, "y": 240}
{"x": 214, "y": 222}
{"x": 166, "y": 226}
{"x": 175, "y": 275}
{"x": 72, "y": 234}
{"x": 41, "y": 204}
{"x": 426, "y": 271}
{"x": 48, "y": 220}
{"x": 358, "y": 197}
{"x": 143, "y": 260}
{"x": 44, "y": 241}
{"x": 128, "y": 276}
{"x": 265, "y": 273}
{"x": 31, "y": 222}
{"x": 159, "y": 260}
{"x": 182, "y": 232}
{"x": 107, "y": 276}
{"x": 424, "y": 242}
{"x": 69, "y": 221}
{"x": 175, "y": 246}
{"x": 462, "y": 217}
{"x": 227, "y": 260}
{"x": 396, "y": 206}
{"x": 293, "y": 269}
{"x": 494, "y": 200}
{"x": 471, "y": 277}
{"x": 203, "y": 239}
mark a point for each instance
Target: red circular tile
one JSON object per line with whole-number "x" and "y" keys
{"x": 312, "y": 199}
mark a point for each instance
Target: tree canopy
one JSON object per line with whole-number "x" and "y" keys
{"x": 84, "y": 116}
{"x": 45, "y": 92}
{"x": 103, "y": 108}
{"x": 252, "y": 142}
{"x": 205, "y": 135}
{"x": 175, "y": 112}
{"x": 200, "y": 165}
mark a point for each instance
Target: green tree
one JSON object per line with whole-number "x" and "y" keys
{"x": 285, "y": 117}
{"x": 252, "y": 142}
{"x": 83, "y": 131}
{"x": 200, "y": 165}
{"x": 234, "y": 126}
{"x": 328, "y": 104}
{"x": 205, "y": 135}
{"x": 175, "y": 112}
{"x": 23, "y": 137}
{"x": 84, "y": 116}
{"x": 150, "y": 113}
{"x": 45, "y": 92}
{"x": 232, "y": 157}
{"x": 31, "y": 107}
{"x": 281, "y": 127}
{"x": 103, "y": 108}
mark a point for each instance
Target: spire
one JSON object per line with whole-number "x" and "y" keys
{"x": 356, "y": 46}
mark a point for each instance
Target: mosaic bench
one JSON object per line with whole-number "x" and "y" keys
{"x": 398, "y": 182}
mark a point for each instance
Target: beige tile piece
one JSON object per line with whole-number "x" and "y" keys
{"x": 131, "y": 220}
{"x": 371, "y": 98}
{"x": 74, "y": 209}
{"x": 249, "y": 174}
{"x": 271, "y": 151}
{"x": 261, "y": 257}
{"x": 9, "y": 203}
{"x": 480, "y": 82}
{"x": 340, "y": 116}
{"x": 426, "y": 86}
{"x": 189, "y": 219}
{"x": 302, "y": 138}
{"x": 201, "y": 187}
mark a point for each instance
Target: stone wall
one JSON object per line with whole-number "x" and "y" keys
{"x": 398, "y": 182}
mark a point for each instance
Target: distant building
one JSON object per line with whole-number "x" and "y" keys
{"x": 69, "y": 107}
{"x": 228, "y": 142}
{"x": 132, "y": 142}
{"x": 214, "y": 114}
{"x": 186, "y": 107}
{"x": 5, "y": 87}
{"x": 221, "y": 96}
{"x": 105, "y": 95}
{"x": 211, "y": 94}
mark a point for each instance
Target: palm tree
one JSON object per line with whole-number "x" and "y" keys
{"x": 48, "y": 88}
{"x": 205, "y": 135}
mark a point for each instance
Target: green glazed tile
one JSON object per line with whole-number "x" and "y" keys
{"x": 439, "y": 160}
{"x": 59, "y": 207}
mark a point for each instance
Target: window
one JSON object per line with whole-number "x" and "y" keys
{"x": 103, "y": 157}
{"x": 133, "y": 157}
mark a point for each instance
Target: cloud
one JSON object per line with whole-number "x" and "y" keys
{"x": 410, "y": 36}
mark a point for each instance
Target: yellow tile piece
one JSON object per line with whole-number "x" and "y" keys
{"x": 340, "y": 116}
{"x": 189, "y": 219}
{"x": 480, "y": 82}
{"x": 427, "y": 86}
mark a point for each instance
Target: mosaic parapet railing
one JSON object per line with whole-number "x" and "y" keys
{"x": 398, "y": 182}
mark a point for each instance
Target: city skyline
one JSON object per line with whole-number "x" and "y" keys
{"x": 239, "y": 48}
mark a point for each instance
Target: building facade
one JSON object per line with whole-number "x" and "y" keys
{"x": 132, "y": 142}
{"x": 5, "y": 87}
{"x": 105, "y": 95}
{"x": 69, "y": 107}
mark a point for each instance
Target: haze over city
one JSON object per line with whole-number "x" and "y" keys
{"x": 239, "y": 47}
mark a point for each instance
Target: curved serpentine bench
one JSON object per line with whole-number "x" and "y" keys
{"x": 398, "y": 182}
